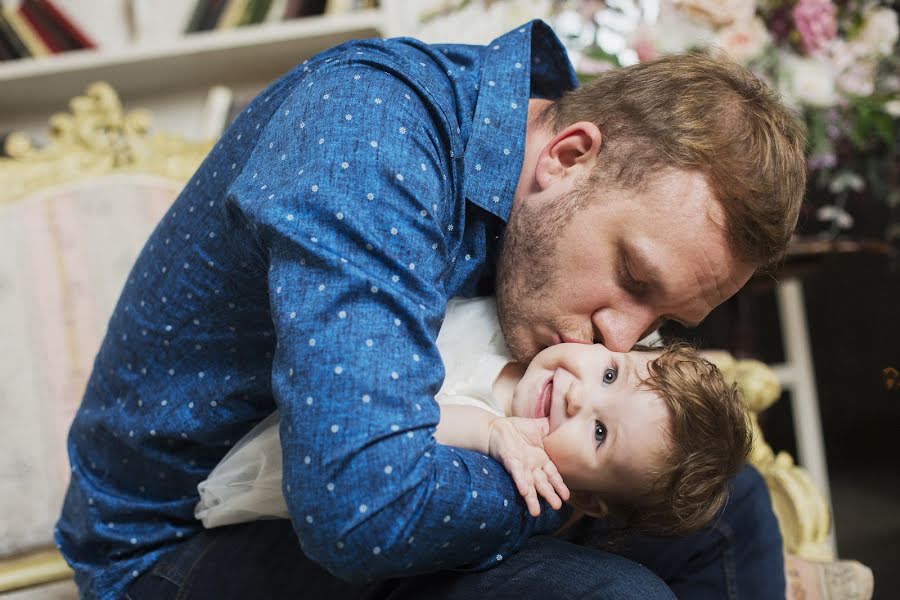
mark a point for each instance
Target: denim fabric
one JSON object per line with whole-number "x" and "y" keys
{"x": 739, "y": 557}
{"x": 214, "y": 566}
{"x": 306, "y": 267}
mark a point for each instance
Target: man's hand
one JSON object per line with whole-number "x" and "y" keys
{"x": 517, "y": 443}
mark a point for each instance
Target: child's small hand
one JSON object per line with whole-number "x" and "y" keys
{"x": 518, "y": 444}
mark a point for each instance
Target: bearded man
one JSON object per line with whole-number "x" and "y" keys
{"x": 307, "y": 265}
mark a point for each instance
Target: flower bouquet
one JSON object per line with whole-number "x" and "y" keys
{"x": 834, "y": 61}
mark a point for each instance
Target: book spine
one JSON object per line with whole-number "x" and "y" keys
{"x": 257, "y": 10}
{"x": 44, "y": 30}
{"x": 5, "y": 52}
{"x": 276, "y": 11}
{"x": 318, "y": 7}
{"x": 197, "y": 16}
{"x": 292, "y": 10}
{"x": 212, "y": 15}
{"x": 66, "y": 24}
{"x": 232, "y": 15}
{"x": 12, "y": 40}
{"x": 26, "y": 32}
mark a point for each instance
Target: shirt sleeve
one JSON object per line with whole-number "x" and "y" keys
{"x": 347, "y": 194}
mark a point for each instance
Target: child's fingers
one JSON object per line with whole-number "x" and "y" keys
{"x": 524, "y": 481}
{"x": 534, "y": 506}
{"x": 556, "y": 481}
{"x": 522, "y": 477}
{"x": 546, "y": 490}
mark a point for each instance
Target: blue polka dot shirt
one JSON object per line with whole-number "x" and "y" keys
{"x": 306, "y": 266}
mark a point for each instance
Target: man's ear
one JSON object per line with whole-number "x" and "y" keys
{"x": 590, "y": 503}
{"x": 568, "y": 153}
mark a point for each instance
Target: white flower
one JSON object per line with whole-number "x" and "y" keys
{"x": 892, "y": 107}
{"x": 880, "y": 30}
{"x": 718, "y": 12}
{"x": 675, "y": 31}
{"x": 854, "y": 67}
{"x": 806, "y": 80}
{"x": 476, "y": 22}
{"x": 846, "y": 180}
{"x": 859, "y": 78}
{"x": 744, "y": 40}
{"x": 836, "y": 215}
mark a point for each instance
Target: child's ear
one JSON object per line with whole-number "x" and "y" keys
{"x": 590, "y": 503}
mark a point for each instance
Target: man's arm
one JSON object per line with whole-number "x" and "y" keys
{"x": 349, "y": 199}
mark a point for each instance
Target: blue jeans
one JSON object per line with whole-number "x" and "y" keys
{"x": 737, "y": 557}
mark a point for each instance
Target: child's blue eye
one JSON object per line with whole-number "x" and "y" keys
{"x": 599, "y": 432}
{"x": 609, "y": 375}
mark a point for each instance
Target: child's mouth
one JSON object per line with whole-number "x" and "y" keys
{"x": 542, "y": 407}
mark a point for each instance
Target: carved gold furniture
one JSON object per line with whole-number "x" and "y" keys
{"x": 800, "y": 507}
{"x": 73, "y": 216}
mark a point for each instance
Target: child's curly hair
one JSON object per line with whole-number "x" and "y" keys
{"x": 709, "y": 440}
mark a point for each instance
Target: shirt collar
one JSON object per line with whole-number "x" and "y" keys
{"x": 527, "y": 62}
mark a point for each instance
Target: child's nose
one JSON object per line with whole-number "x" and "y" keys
{"x": 574, "y": 400}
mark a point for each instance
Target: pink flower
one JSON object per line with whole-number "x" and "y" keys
{"x": 745, "y": 40}
{"x": 816, "y": 23}
{"x": 645, "y": 49}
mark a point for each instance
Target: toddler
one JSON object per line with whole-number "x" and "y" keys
{"x": 650, "y": 437}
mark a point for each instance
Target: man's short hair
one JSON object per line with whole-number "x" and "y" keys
{"x": 697, "y": 113}
{"x": 709, "y": 440}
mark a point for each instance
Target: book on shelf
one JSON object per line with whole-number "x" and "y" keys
{"x": 232, "y": 14}
{"x": 13, "y": 46}
{"x": 5, "y": 51}
{"x": 59, "y": 18}
{"x": 193, "y": 23}
{"x": 304, "y": 8}
{"x": 44, "y": 28}
{"x": 35, "y": 45}
{"x": 257, "y": 11}
{"x": 276, "y": 11}
{"x": 228, "y": 14}
{"x": 212, "y": 10}
{"x": 35, "y": 28}
{"x": 340, "y": 7}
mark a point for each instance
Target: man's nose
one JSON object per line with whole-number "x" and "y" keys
{"x": 620, "y": 331}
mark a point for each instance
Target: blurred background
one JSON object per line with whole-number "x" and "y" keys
{"x": 827, "y": 320}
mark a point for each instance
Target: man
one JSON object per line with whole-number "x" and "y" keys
{"x": 306, "y": 267}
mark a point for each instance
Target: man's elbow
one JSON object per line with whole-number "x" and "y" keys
{"x": 352, "y": 560}
{"x": 341, "y": 544}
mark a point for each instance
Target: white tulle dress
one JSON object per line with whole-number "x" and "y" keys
{"x": 246, "y": 484}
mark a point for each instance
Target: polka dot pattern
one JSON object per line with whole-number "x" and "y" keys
{"x": 305, "y": 263}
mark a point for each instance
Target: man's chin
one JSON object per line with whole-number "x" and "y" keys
{"x": 522, "y": 346}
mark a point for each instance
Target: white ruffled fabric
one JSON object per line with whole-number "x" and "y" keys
{"x": 246, "y": 484}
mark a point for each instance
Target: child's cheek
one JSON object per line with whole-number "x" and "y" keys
{"x": 565, "y": 454}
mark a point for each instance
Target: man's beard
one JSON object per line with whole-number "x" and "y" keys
{"x": 527, "y": 271}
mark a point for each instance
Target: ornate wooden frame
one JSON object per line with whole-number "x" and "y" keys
{"x": 95, "y": 138}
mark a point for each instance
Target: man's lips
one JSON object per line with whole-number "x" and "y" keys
{"x": 542, "y": 406}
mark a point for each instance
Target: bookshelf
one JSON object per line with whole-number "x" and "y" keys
{"x": 175, "y": 75}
